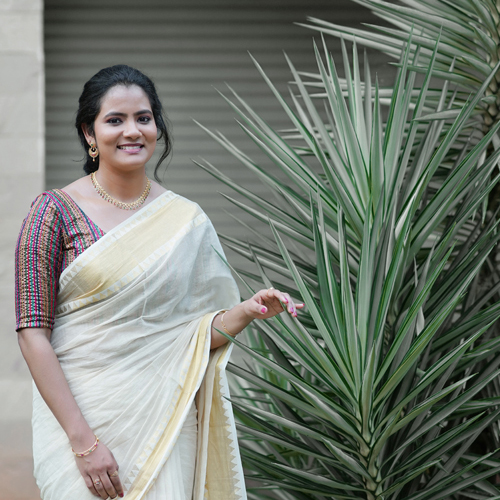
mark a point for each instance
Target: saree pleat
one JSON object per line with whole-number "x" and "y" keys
{"x": 132, "y": 334}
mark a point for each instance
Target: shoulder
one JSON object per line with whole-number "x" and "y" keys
{"x": 43, "y": 213}
{"x": 157, "y": 189}
{"x": 41, "y": 228}
{"x": 45, "y": 202}
{"x": 187, "y": 205}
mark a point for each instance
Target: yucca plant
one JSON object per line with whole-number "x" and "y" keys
{"x": 373, "y": 393}
{"x": 468, "y": 49}
{"x": 469, "y": 32}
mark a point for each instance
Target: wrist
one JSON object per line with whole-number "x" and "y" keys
{"x": 243, "y": 312}
{"x": 81, "y": 436}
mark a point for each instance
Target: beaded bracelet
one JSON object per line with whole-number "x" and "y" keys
{"x": 224, "y": 326}
{"x": 89, "y": 451}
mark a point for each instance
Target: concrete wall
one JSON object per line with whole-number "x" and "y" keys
{"x": 21, "y": 179}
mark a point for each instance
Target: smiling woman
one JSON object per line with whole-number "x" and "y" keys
{"x": 134, "y": 122}
{"x": 123, "y": 136}
{"x": 121, "y": 299}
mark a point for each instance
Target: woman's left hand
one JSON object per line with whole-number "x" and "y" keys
{"x": 264, "y": 304}
{"x": 267, "y": 303}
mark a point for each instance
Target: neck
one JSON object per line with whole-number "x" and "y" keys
{"x": 124, "y": 186}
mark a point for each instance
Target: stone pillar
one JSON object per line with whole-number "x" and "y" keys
{"x": 21, "y": 179}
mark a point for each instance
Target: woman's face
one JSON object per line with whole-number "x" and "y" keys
{"x": 125, "y": 129}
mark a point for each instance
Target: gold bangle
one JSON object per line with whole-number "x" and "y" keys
{"x": 224, "y": 326}
{"x": 89, "y": 451}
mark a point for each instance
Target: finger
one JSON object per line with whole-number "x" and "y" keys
{"x": 115, "y": 479}
{"x": 108, "y": 486}
{"x": 100, "y": 488}
{"x": 285, "y": 298}
{"x": 290, "y": 305}
{"x": 90, "y": 486}
{"x": 260, "y": 309}
{"x": 269, "y": 295}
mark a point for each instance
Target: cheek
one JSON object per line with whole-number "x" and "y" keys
{"x": 153, "y": 135}
{"x": 106, "y": 139}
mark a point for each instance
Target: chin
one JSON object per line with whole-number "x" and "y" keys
{"x": 133, "y": 161}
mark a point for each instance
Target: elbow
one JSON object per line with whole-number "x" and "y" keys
{"x": 21, "y": 338}
{"x": 27, "y": 337}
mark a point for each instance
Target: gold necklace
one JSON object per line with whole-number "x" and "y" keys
{"x": 117, "y": 203}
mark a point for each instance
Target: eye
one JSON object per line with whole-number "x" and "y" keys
{"x": 145, "y": 119}
{"x": 113, "y": 121}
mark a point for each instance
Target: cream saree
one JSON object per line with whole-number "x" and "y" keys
{"x": 132, "y": 334}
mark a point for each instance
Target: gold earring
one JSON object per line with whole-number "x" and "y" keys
{"x": 93, "y": 151}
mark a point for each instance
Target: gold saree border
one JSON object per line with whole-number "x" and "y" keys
{"x": 121, "y": 255}
{"x": 164, "y": 438}
{"x": 224, "y": 473}
{"x": 219, "y": 473}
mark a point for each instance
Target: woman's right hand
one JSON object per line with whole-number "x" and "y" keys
{"x": 100, "y": 472}
{"x": 100, "y": 465}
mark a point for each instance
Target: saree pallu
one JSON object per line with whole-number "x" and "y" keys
{"x": 132, "y": 335}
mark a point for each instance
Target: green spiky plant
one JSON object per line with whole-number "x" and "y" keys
{"x": 468, "y": 49}
{"x": 373, "y": 393}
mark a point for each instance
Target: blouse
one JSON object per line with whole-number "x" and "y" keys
{"x": 55, "y": 232}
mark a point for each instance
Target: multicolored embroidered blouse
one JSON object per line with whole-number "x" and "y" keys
{"x": 55, "y": 232}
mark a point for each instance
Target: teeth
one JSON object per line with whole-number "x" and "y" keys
{"x": 129, "y": 147}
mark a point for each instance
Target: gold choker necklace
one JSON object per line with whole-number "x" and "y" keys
{"x": 120, "y": 204}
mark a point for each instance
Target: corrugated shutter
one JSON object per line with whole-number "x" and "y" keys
{"x": 187, "y": 47}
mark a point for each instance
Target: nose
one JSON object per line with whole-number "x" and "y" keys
{"x": 131, "y": 129}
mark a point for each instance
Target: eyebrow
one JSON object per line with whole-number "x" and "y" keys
{"x": 116, "y": 113}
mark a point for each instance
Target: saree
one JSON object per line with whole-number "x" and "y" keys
{"x": 132, "y": 335}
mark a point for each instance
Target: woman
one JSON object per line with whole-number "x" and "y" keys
{"x": 121, "y": 297}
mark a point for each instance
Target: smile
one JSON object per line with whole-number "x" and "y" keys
{"x": 135, "y": 147}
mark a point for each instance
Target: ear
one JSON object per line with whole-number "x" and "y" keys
{"x": 88, "y": 135}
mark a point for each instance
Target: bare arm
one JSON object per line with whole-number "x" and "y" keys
{"x": 264, "y": 304}
{"x": 49, "y": 378}
{"x": 54, "y": 389}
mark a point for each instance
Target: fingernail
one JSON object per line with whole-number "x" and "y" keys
{"x": 263, "y": 310}
{"x": 295, "y": 314}
{"x": 285, "y": 301}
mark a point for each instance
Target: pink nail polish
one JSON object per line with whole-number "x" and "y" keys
{"x": 263, "y": 310}
{"x": 285, "y": 301}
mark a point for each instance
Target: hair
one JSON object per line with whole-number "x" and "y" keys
{"x": 89, "y": 106}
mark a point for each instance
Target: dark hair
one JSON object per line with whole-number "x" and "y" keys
{"x": 90, "y": 101}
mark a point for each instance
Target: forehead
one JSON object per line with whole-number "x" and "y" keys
{"x": 121, "y": 98}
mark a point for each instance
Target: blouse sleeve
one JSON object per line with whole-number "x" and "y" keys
{"x": 38, "y": 265}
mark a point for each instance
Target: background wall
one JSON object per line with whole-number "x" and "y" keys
{"x": 188, "y": 47}
{"x": 22, "y": 177}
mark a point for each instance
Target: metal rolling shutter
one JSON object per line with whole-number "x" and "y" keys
{"x": 187, "y": 47}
